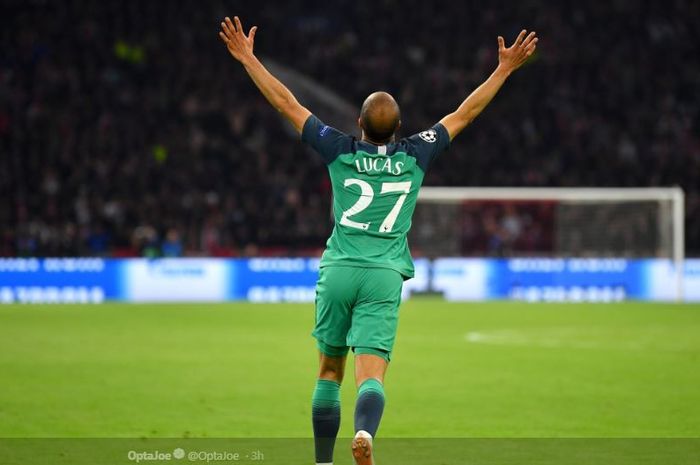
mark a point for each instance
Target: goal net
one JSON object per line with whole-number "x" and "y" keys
{"x": 625, "y": 223}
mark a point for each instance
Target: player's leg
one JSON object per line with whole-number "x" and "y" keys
{"x": 372, "y": 336}
{"x": 369, "y": 379}
{"x": 325, "y": 404}
{"x": 334, "y": 300}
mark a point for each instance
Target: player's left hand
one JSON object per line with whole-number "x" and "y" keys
{"x": 514, "y": 56}
{"x": 239, "y": 45}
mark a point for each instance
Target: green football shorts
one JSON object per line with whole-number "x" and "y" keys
{"x": 358, "y": 308}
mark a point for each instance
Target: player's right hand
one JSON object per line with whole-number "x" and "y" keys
{"x": 514, "y": 56}
{"x": 239, "y": 45}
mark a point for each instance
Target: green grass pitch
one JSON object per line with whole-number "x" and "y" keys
{"x": 506, "y": 370}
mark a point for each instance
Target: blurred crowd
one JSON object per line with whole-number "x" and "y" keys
{"x": 127, "y": 129}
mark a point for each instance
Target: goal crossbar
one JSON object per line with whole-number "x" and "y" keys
{"x": 603, "y": 194}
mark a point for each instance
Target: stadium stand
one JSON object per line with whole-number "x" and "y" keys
{"x": 126, "y": 129}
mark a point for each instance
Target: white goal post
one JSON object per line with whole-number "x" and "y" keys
{"x": 668, "y": 203}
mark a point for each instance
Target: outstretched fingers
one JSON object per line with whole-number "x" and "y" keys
{"x": 237, "y": 23}
{"x": 223, "y": 37}
{"x": 239, "y": 44}
{"x": 530, "y": 49}
{"x": 519, "y": 39}
{"x": 518, "y": 53}
{"x": 530, "y": 44}
{"x": 228, "y": 28}
{"x": 528, "y": 40}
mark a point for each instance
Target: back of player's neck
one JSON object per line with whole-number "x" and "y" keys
{"x": 370, "y": 141}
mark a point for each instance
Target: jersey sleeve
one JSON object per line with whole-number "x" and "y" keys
{"x": 428, "y": 144}
{"x": 326, "y": 140}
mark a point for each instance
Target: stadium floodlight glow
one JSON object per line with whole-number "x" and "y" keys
{"x": 584, "y": 222}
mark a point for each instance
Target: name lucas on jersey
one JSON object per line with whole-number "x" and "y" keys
{"x": 378, "y": 165}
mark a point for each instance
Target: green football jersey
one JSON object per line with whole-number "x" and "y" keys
{"x": 375, "y": 189}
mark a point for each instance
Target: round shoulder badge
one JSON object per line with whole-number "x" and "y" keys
{"x": 429, "y": 136}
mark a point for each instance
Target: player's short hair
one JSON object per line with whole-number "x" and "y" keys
{"x": 380, "y": 116}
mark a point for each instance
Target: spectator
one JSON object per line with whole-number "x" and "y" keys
{"x": 172, "y": 245}
{"x": 115, "y": 115}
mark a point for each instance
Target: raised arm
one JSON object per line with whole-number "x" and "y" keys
{"x": 241, "y": 48}
{"x": 509, "y": 59}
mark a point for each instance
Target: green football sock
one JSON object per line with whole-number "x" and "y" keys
{"x": 325, "y": 417}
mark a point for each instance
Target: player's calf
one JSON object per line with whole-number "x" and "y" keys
{"x": 325, "y": 418}
{"x": 369, "y": 406}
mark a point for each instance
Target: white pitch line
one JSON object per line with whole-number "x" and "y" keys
{"x": 518, "y": 338}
